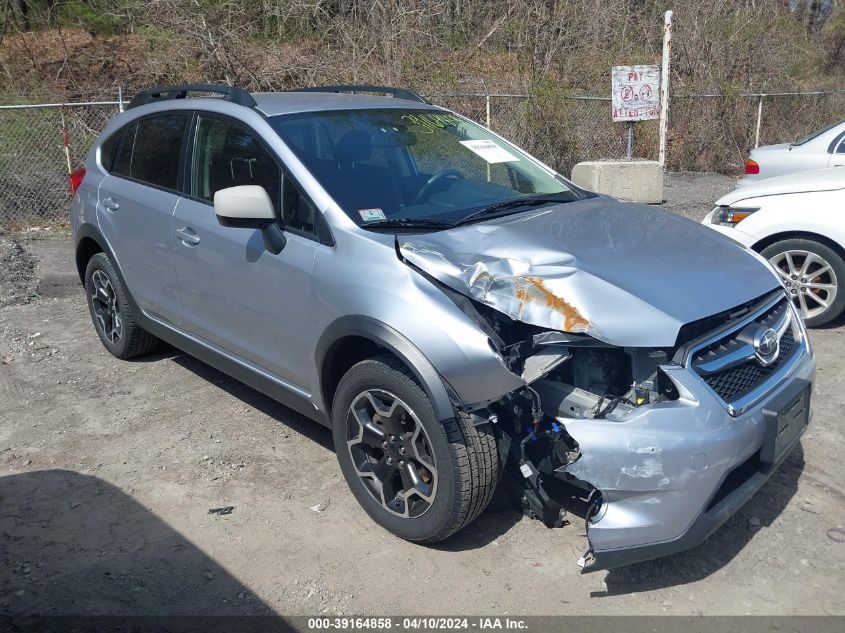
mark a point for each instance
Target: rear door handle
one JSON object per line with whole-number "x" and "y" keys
{"x": 110, "y": 204}
{"x": 188, "y": 237}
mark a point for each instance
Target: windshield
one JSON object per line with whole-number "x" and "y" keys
{"x": 813, "y": 135}
{"x": 410, "y": 167}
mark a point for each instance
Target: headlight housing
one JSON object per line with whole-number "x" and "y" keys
{"x": 731, "y": 216}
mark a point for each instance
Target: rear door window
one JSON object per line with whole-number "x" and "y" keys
{"x": 150, "y": 152}
{"x": 109, "y": 148}
{"x": 123, "y": 160}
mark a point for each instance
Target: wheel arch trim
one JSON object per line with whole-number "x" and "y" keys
{"x": 88, "y": 231}
{"x": 388, "y": 338}
{"x": 780, "y": 236}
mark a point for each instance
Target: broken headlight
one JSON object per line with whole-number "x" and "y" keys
{"x": 597, "y": 380}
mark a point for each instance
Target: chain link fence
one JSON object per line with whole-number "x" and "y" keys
{"x": 716, "y": 132}
{"x": 559, "y": 131}
{"x": 39, "y": 146}
{"x": 706, "y": 133}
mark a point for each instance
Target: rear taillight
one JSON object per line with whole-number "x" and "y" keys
{"x": 76, "y": 179}
{"x": 751, "y": 167}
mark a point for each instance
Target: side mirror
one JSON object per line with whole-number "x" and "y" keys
{"x": 244, "y": 206}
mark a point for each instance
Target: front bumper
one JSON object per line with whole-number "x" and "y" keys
{"x": 674, "y": 472}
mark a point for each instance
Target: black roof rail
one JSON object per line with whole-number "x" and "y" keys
{"x": 396, "y": 93}
{"x": 163, "y": 93}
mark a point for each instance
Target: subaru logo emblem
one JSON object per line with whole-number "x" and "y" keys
{"x": 766, "y": 345}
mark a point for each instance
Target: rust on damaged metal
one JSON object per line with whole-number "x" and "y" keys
{"x": 573, "y": 321}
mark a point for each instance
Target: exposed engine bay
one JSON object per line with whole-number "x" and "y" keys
{"x": 567, "y": 376}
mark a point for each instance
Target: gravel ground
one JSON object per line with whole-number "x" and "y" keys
{"x": 17, "y": 272}
{"x": 108, "y": 470}
{"x": 692, "y": 194}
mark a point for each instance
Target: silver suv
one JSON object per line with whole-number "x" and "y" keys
{"x": 462, "y": 317}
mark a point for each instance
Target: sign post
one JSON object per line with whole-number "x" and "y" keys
{"x": 635, "y": 96}
{"x": 664, "y": 85}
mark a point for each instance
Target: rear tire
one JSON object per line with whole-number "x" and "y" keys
{"x": 447, "y": 474}
{"x": 114, "y": 320}
{"x": 814, "y": 276}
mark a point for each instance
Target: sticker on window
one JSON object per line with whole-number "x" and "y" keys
{"x": 370, "y": 215}
{"x": 489, "y": 151}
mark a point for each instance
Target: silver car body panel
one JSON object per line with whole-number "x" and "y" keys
{"x": 659, "y": 468}
{"x": 624, "y": 273}
{"x": 378, "y": 286}
{"x": 629, "y": 275}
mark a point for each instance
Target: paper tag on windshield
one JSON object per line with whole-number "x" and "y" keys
{"x": 489, "y": 151}
{"x": 370, "y": 215}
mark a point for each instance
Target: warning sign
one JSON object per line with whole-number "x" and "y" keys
{"x": 636, "y": 93}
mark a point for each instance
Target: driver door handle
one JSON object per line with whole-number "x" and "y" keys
{"x": 188, "y": 237}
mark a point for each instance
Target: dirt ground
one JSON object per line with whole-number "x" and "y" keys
{"x": 108, "y": 470}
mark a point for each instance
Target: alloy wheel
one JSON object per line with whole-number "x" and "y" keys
{"x": 809, "y": 280}
{"x": 106, "y": 309}
{"x": 391, "y": 453}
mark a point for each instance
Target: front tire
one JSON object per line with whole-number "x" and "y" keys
{"x": 814, "y": 276}
{"x": 114, "y": 319}
{"x": 418, "y": 477}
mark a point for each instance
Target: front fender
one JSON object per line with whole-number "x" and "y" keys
{"x": 405, "y": 312}
{"x": 386, "y": 337}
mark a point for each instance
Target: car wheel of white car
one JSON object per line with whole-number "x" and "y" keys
{"x": 813, "y": 274}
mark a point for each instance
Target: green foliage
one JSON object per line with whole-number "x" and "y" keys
{"x": 102, "y": 17}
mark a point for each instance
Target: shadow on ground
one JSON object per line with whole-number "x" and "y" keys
{"x": 249, "y": 396}
{"x": 74, "y": 544}
{"x": 246, "y": 394}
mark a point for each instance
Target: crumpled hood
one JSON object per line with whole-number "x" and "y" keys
{"x": 624, "y": 273}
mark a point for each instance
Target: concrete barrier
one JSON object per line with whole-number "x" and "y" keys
{"x": 636, "y": 180}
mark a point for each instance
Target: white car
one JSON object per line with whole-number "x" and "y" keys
{"x": 823, "y": 148}
{"x": 797, "y": 222}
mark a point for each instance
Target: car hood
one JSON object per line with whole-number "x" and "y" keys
{"x": 828, "y": 179}
{"x": 624, "y": 273}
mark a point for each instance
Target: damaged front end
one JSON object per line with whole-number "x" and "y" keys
{"x": 578, "y": 437}
{"x": 617, "y": 419}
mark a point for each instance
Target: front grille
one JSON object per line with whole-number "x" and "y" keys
{"x": 735, "y": 382}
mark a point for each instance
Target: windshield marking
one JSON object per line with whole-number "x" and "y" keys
{"x": 369, "y": 215}
{"x": 431, "y": 122}
{"x": 489, "y": 151}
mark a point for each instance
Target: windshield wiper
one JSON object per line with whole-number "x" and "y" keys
{"x": 409, "y": 223}
{"x": 509, "y": 204}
